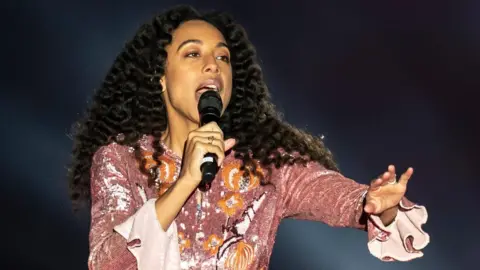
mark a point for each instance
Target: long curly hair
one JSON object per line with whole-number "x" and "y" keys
{"x": 129, "y": 104}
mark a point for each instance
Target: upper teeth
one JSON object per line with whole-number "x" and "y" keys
{"x": 211, "y": 86}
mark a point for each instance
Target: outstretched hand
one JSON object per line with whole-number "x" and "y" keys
{"x": 385, "y": 194}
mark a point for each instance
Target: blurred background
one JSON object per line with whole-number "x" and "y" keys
{"x": 387, "y": 82}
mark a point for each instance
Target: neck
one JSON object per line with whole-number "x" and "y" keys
{"x": 177, "y": 132}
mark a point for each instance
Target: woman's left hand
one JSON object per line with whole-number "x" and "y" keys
{"x": 385, "y": 194}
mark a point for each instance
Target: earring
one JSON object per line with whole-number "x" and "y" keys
{"x": 163, "y": 90}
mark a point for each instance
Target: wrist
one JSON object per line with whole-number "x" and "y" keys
{"x": 186, "y": 184}
{"x": 389, "y": 215}
{"x": 181, "y": 189}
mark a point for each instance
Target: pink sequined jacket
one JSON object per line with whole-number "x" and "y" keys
{"x": 234, "y": 225}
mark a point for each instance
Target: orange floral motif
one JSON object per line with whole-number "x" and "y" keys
{"x": 231, "y": 203}
{"x": 240, "y": 257}
{"x": 149, "y": 161}
{"x": 166, "y": 170}
{"x": 183, "y": 242}
{"x": 212, "y": 244}
{"x": 234, "y": 180}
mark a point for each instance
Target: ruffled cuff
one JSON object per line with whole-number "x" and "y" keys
{"x": 404, "y": 238}
{"x": 153, "y": 247}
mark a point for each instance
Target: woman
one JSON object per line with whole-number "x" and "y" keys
{"x": 138, "y": 150}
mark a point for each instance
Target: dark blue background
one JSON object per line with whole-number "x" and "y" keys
{"x": 385, "y": 81}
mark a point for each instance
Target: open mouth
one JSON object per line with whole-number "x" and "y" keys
{"x": 206, "y": 88}
{"x": 214, "y": 84}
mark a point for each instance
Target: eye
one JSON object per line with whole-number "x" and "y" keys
{"x": 192, "y": 54}
{"x": 224, "y": 58}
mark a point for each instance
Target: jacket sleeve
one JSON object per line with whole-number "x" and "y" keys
{"x": 124, "y": 232}
{"x": 315, "y": 193}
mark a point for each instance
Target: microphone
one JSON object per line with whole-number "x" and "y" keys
{"x": 209, "y": 108}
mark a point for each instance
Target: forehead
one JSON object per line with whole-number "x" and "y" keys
{"x": 197, "y": 29}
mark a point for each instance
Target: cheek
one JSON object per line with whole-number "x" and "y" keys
{"x": 228, "y": 87}
{"x": 180, "y": 83}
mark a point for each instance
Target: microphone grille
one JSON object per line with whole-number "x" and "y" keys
{"x": 210, "y": 99}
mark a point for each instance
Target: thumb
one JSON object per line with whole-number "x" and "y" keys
{"x": 229, "y": 143}
{"x": 370, "y": 208}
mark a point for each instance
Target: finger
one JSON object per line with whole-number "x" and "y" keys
{"x": 208, "y": 135}
{"x": 391, "y": 169}
{"x": 208, "y": 140}
{"x": 218, "y": 134}
{"x": 369, "y": 208}
{"x": 406, "y": 176}
{"x": 212, "y": 127}
{"x": 389, "y": 177}
{"x": 376, "y": 183}
{"x": 386, "y": 176}
{"x": 229, "y": 143}
{"x": 211, "y": 148}
{"x": 393, "y": 175}
{"x": 381, "y": 180}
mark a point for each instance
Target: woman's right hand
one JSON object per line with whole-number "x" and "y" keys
{"x": 206, "y": 139}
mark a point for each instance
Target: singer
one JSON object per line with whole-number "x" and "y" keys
{"x": 139, "y": 150}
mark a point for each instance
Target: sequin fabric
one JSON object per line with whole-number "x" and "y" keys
{"x": 235, "y": 224}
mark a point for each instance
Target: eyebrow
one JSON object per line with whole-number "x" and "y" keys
{"x": 197, "y": 41}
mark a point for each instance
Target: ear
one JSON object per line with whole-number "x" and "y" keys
{"x": 163, "y": 83}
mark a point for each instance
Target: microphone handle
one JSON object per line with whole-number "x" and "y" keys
{"x": 209, "y": 170}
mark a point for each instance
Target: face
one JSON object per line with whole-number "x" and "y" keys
{"x": 198, "y": 60}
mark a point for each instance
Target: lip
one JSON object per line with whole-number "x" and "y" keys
{"x": 217, "y": 82}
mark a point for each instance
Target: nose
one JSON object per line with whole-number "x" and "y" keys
{"x": 211, "y": 65}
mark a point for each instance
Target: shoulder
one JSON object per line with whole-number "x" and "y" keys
{"x": 117, "y": 151}
{"x": 111, "y": 152}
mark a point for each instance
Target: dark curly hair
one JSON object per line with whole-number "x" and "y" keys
{"x": 129, "y": 104}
